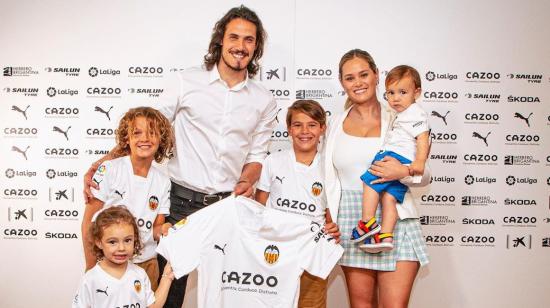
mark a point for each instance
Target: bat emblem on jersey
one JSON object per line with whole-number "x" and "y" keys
{"x": 220, "y": 248}
{"x": 137, "y": 285}
{"x": 316, "y": 188}
{"x": 271, "y": 254}
{"x": 102, "y": 291}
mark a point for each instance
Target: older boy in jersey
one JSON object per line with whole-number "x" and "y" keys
{"x": 222, "y": 120}
{"x": 292, "y": 182}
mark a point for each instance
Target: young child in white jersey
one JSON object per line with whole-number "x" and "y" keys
{"x": 143, "y": 135}
{"x": 291, "y": 181}
{"x": 407, "y": 140}
{"x": 113, "y": 281}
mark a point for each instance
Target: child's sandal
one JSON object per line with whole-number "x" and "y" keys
{"x": 369, "y": 229}
{"x": 376, "y": 245}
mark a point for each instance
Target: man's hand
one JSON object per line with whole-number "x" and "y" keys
{"x": 88, "y": 196}
{"x": 417, "y": 167}
{"x": 243, "y": 188}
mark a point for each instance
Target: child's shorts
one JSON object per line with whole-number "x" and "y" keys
{"x": 395, "y": 188}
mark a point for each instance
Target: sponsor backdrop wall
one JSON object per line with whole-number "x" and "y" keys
{"x": 71, "y": 69}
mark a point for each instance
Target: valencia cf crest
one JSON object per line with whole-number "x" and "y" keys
{"x": 153, "y": 203}
{"x": 137, "y": 285}
{"x": 271, "y": 254}
{"x": 316, "y": 188}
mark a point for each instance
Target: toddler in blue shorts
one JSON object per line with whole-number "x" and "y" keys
{"x": 407, "y": 140}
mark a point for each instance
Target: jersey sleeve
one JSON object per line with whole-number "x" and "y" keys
{"x": 186, "y": 239}
{"x": 164, "y": 208}
{"x": 102, "y": 177}
{"x": 416, "y": 123}
{"x": 82, "y": 298}
{"x": 149, "y": 294}
{"x": 320, "y": 254}
{"x": 264, "y": 183}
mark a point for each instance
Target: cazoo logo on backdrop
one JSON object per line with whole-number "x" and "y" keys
{"x": 522, "y": 139}
{"x": 529, "y": 78}
{"x": 444, "y": 137}
{"x": 487, "y": 159}
{"x": 477, "y": 240}
{"x": 281, "y": 94}
{"x": 20, "y": 132}
{"x": 439, "y": 240}
{"x": 431, "y": 76}
{"x": 103, "y": 92}
{"x": 481, "y": 118}
{"x": 61, "y": 112}
{"x": 483, "y": 97}
{"x": 483, "y": 77}
{"x": 13, "y": 192}
{"x": 273, "y": 73}
{"x": 438, "y": 200}
{"x": 440, "y": 97}
{"x": 315, "y": 73}
{"x": 67, "y": 71}
{"x": 145, "y": 71}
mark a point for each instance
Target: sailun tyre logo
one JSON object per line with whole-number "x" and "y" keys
{"x": 271, "y": 254}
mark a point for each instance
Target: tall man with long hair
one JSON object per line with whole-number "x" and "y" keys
{"x": 222, "y": 123}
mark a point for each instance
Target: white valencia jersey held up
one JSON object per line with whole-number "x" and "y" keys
{"x": 101, "y": 290}
{"x": 294, "y": 187}
{"x": 248, "y": 255}
{"x": 144, "y": 197}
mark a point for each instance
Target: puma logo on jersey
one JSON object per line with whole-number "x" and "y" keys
{"x": 220, "y": 249}
{"x": 96, "y": 181}
{"x": 102, "y": 291}
{"x": 280, "y": 179}
{"x": 121, "y": 194}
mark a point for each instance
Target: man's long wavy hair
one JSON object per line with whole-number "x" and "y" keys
{"x": 215, "y": 47}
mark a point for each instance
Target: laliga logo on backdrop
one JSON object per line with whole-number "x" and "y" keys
{"x": 51, "y": 92}
{"x": 271, "y": 254}
{"x": 93, "y": 71}
{"x": 430, "y": 76}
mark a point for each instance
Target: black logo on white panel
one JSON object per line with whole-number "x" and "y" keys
{"x": 61, "y": 131}
{"x": 105, "y": 112}
{"x": 22, "y": 152}
{"x": 483, "y": 138}
{"x": 524, "y": 118}
{"x": 442, "y": 117}
{"x": 23, "y": 112}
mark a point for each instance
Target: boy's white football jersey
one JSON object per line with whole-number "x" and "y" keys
{"x": 294, "y": 187}
{"x": 248, "y": 255}
{"x": 144, "y": 197}
{"x": 99, "y": 289}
